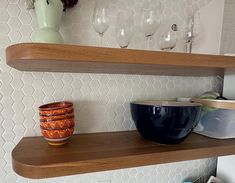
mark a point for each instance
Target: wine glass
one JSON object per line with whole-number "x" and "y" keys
{"x": 124, "y": 27}
{"x": 192, "y": 31}
{"x": 152, "y": 17}
{"x": 168, "y": 39}
{"x": 100, "y": 18}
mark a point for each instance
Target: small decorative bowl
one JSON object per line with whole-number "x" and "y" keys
{"x": 56, "y": 117}
{"x": 57, "y": 134}
{"x": 57, "y": 137}
{"x": 58, "y": 108}
{"x": 57, "y": 122}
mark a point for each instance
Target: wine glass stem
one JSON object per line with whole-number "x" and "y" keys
{"x": 101, "y": 38}
{"x": 148, "y": 40}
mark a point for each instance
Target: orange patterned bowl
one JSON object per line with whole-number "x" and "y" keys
{"x": 57, "y": 137}
{"x": 57, "y": 117}
{"x": 58, "y": 108}
{"x": 58, "y": 124}
{"x": 57, "y": 134}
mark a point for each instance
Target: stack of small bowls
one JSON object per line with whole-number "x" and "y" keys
{"x": 57, "y": 122}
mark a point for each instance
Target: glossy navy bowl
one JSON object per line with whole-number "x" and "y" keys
{"x": 165, "y": 122}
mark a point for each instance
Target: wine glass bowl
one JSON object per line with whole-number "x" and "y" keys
{"x": 100, "y": 18}
{"x": 124, "y": 27}
{"x": 149, "y": 22}
{"x": 152, "y": 17}
{"x": 168, "y": 39}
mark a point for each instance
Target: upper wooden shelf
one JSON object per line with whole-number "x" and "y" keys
{"x": 34, "y": 158}
{"x": 84, "y": 59}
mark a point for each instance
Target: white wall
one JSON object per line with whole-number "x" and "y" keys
{"x": 101, "y": 100}
{"x": 225, "y": 170}
{"x": 210, "y": 28}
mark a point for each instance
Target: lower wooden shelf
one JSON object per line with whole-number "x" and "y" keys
{"x": 34, "y": 158}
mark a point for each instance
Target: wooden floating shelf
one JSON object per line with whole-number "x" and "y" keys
{"x": 34, "y": 158}
{"x": 84, "y": 59}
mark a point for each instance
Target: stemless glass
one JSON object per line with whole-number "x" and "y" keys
{"x": 100, "y": 18}
{"x": 168, "y": 39}
{"x": 152, "y": 17}
{"x": 124, "y": 27}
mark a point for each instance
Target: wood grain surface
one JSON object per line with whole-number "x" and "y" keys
{"x": 218, "y": 104}
{"x": 34, "y": 158}
{"x": 84, "y": 59}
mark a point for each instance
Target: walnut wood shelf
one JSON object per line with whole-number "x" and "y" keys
{"x": 84, "y": 59}
{"x": 34, "y": 158}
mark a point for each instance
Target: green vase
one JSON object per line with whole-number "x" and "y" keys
{"x": 49, "y": 19}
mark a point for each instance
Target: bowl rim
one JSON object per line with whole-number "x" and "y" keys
{"x": 53, "y": 130}
{"x": 166, "y": 103}
{"x": 56, "y": 120}
{"x": 213, "y": 103}
{"x": 72, "y": 126}
{"x": 55, "y": 106}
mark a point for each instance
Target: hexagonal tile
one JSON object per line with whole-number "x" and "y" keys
{"x": 2, "y": 161}
{"x": 27, "y": 78}
{"x": 11, "y": 178}
{"x": 68, "y": 90}
{"x": 19, "y": 130}
{"x": 15, "y": 36}
{"x": 76, "y": 83}
{"x": 26, "y": 30}
{"x": 18, "y": 118}
{"x": 4, "y": 28}
{"x": 94, "y": 85}
{"x": 5, "y": 41}
{"x": 67, "y": 78}
{"x": 38, "y": 95}
{"x": 48, "y": 90}
{"x": 18, "y": 107}
{"x": 8, "y": 147}
{"x": 57, "y": 85}
{"x": 29, "y": 130}
{"x": 17, "y": 95}
{"x": 14, "y": 23}
{"x": 47, "y": 78}
{"x": 28, "y": 90}
{"x": 8, "y": 136}
{"x": 8, "y": 123}
{"x": 37, "y": 84}
{"x": 7, "y": 102}
{"x": 13, "y": 10}
{"x": 17, "y": 83}
{"x": 58, "y": 96}
{"x": 6, "y": 90}
{"x": 25, "y": 18}
{"x": 28, "y": 101}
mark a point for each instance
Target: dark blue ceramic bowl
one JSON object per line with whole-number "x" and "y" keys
{"x": 165, "y": 122}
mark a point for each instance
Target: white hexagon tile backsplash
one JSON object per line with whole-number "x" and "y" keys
{"x": 101, "y": 100}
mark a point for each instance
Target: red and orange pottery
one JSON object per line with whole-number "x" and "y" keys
{"x": 58, "y": 108}
{"x": 57, "y": 137}
{"x": 56, "y": 117}
{"x": 57, "y": 122}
